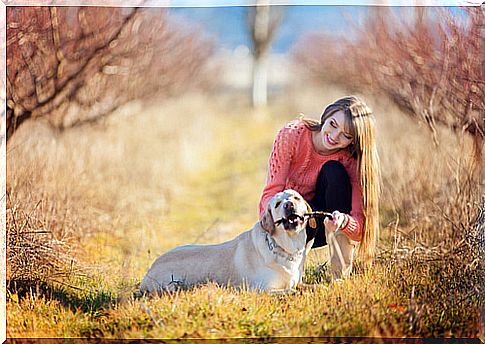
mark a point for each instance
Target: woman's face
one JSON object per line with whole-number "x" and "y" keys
{"x": 334, "y": 135}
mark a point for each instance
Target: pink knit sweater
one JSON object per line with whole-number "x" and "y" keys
{"x": 295, "y": 164}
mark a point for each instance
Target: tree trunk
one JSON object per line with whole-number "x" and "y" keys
{"x": 260, "y": 80}
{"x": 263, "y": 22}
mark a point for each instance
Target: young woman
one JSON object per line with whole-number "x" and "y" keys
{"x": 333, "y": 164}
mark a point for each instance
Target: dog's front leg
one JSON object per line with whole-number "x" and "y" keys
{"x": 301, "y": 268}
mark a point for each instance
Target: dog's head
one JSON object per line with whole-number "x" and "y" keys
{"x": 285, "y": 210}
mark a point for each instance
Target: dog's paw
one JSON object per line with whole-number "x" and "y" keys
{"x": 287, "y": 291}
{"x": 175, "y": 285}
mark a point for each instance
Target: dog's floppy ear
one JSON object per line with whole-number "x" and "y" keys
{"x": 308, "y": 206}
{"x": 267, "y": 222}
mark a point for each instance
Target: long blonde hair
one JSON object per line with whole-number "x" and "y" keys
{"x": 361, "y": 122}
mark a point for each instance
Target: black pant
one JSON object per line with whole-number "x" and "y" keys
{"x": 332, "y": 192}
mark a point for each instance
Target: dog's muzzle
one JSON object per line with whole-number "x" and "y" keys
{"x": 291, "y": 221}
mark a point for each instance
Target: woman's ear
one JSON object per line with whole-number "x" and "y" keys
{"x": 267, "y": 222}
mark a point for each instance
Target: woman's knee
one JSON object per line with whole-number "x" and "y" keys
{"x": 333, "y": 190}
{"x": 333, "y": 172}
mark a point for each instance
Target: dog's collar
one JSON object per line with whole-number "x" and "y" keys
{"x": 280, "y": 251}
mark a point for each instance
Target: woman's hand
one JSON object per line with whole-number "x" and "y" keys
{"x": 338, "y": 222}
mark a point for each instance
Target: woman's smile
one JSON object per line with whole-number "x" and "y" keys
{"x": 330, "y": 141}
{"x": 333, "y": 135}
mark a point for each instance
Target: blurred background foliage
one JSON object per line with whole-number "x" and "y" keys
{"x": 79, "y": 64}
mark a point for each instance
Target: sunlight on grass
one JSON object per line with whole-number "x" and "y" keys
{"x": 118, "y": 197}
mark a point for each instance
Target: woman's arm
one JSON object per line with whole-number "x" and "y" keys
{"x": 284, "y": 148}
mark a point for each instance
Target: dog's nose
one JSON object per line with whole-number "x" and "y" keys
{"x": 288, "y": 205}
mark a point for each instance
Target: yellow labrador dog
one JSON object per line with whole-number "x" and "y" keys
{"x": 268, "y": 257}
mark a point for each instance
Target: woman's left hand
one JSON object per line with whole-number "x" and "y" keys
{"x": 339, "y": 220}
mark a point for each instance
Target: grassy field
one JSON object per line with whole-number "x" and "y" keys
{"x": 88, "y": 210}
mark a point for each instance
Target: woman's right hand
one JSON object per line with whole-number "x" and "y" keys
{"x": 339, "y": 220}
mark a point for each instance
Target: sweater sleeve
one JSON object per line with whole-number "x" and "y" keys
{"x": 284, "y": 148}
{"x": 355, "y": 225}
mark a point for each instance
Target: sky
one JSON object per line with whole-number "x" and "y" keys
{"x": 228, "y": 25}
{"x": 202, "y": 3}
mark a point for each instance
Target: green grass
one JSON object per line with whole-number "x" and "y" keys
{"x": 365, "y": 305}
{"x": 208, "y": 312}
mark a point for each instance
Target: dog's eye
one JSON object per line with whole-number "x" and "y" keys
{"x": 277, "y": 204}
{"x": 297, "y": 198}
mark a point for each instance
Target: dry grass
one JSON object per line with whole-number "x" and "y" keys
{"x": 191, "y": 170}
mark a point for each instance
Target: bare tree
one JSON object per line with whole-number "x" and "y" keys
{"x": 431, "y": 67}
{"x": 75, "y": 65}
{"x": 264, "y": 21}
